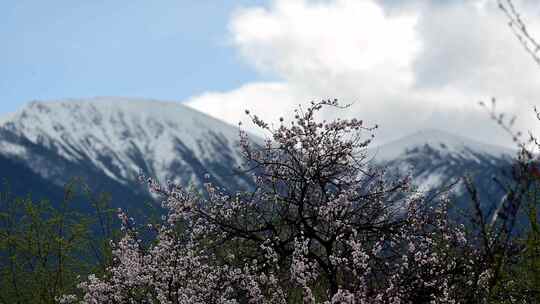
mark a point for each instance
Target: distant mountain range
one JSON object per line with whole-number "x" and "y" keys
{"x": 108, "y": 142}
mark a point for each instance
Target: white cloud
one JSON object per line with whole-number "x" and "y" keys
{"x": 418, "y": 65}
{"x": 295, "y": 39}
{"x": 268, "y": 100}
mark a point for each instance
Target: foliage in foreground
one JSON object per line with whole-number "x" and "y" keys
{"x": 45, "y": 248}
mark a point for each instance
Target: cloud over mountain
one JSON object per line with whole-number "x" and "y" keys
{"x": 406, "y": 65}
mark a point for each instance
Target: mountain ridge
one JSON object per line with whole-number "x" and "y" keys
{"x": 121, "y": 128}
{"x": 109, "y": 141}
{"x": 438, "y": 160}
{"x": 440, "y": 140}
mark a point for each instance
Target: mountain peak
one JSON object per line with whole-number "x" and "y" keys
{"x": 104, "y": 114}
{"x": 122, "y": 136}
{"x": 444, "y": 142}
{"x": 6, "y": 117}
{"x": 140, "y": 106}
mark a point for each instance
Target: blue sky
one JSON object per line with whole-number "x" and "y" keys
{"x": 163, "y": 49}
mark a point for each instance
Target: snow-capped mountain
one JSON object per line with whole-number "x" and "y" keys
{"x": 110, "y": 141}
{"x": 447, "y": 144}
{"x": 436, "y": 159}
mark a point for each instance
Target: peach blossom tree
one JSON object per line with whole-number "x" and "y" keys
{"x": 321, "y": 225}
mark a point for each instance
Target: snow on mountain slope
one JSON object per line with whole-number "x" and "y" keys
{"x": 124, "y": 136}
{"x": 5, "y": 117}
{"x": 111, "y": 140}
{"x": 444, "y": 142}
{"x": 437, "y": 158}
